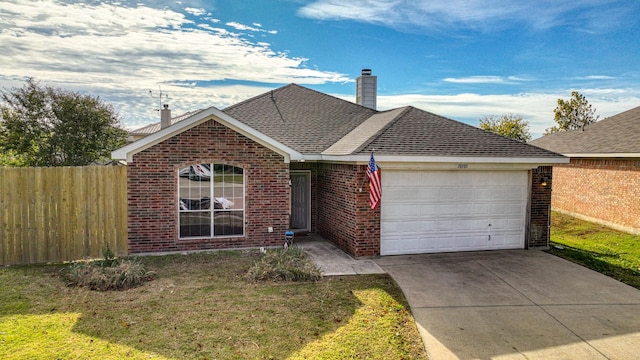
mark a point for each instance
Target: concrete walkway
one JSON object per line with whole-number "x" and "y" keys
{"x": 333, "y": 261}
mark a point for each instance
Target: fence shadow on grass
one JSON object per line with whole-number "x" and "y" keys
{"x": 598, "y": 261}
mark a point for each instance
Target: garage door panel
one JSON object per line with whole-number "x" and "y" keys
{"x": 404, "y": 211}
{"x": 404, "y": 227}
{"x": 444, "y": 211}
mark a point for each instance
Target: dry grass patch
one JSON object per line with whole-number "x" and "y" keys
{"x": 288, "y": 264}
{"x": 200, "y": 306}
{"x": 113, "y": 274}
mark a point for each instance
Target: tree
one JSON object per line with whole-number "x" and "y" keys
{"x": 572, "y": 114}
{"x": 508, "y": 125}
{"x": 46, "y": 126}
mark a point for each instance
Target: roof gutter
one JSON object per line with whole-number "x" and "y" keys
{"x": 435, "y": 159}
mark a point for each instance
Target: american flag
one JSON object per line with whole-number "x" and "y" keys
{"x": 375, "y": 187}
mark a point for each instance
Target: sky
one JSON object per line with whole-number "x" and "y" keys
{"x": 463, "y": 59}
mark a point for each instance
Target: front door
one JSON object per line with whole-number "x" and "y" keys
{"x": 301, "y": 200}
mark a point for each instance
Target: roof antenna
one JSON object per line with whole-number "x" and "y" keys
{"x": 166, "y": 96}
{"x": 276, "y": 105}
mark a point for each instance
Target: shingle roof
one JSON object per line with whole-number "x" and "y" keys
{"x": 303, "y": 119}
{"x": 363, "y": 133}
{"x": 418, "y": 132}
{"x": 616, "y": 134}
{"x": 312, "y": 123}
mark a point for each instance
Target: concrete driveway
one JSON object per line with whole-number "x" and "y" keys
{"x": 517, "y": 304}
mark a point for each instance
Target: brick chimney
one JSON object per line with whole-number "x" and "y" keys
{"x": 367, "y": 89}
{"x": 165, "y": 116}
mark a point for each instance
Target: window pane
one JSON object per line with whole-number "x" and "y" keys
{"x": 211, "y": 192}
{"x": 228, "y": 223}
{"x": 195, "y": 224}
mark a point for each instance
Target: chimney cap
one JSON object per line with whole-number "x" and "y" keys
{"x": 366, "y": 71}
{"x": 166, "y": 106}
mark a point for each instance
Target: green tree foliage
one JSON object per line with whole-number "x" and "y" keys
{"x": 46, "y": 126}
{"x": 508, "y": 125}
{"x": 572, "y": 114}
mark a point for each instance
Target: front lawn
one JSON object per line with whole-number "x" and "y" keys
{"x": 201, "y": 306}
{"x": 613, "y": 253}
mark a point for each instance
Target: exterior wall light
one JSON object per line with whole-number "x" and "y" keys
{"x": 544, "y": 181}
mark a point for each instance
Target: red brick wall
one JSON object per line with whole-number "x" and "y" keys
{"x": 153, "y": 186}
{"x": 340, "y": 212}
{"x": 602, "y": 190}
{"x": 538, "y": 235}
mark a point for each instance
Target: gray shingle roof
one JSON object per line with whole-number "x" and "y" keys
{"x": 418, "y": 132}
{"x": 616, "y": 134}
{"x": 303, "y": 119}
{"x": 313, "y": 122}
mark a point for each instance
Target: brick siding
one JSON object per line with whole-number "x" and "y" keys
{"x": 339, "y": 196}
{"x": 340, "y": 211}
{"x": 538, "y": 234}
{"x": 152, "y": 181}
{"x": 601, "y": 190}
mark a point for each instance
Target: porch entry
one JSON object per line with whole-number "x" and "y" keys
{"x": 300, "y": 200}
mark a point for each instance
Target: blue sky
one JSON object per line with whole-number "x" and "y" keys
{"x": 461, "y": 59}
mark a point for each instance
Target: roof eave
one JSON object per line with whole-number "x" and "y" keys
{"x": 540, "y": 161}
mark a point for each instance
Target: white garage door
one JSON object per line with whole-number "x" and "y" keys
{"x": 444, "y": 211}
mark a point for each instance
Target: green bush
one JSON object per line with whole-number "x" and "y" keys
{"x": 288, "y": 264}
{"x": 108, "y": 274}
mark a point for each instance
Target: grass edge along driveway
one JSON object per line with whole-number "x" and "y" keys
{"x": 201, "y": 307}
{"x": 608, "y": 251}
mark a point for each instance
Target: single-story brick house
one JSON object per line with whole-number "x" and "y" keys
{"x": 295, "y": 158}
{"x": 602, "y": 181}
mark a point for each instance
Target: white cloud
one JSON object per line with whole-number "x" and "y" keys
{"x": 480, "y": 15}
{"x": 536, "y": 108}
{"x": 484, "y": 80}
{"x": 119, "y": 53}
{"x": 255, "y": 28}
{"x": 195, "y": 11}
{"x": 596, "y": 77}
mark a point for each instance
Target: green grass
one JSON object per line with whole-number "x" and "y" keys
{"x": 201, "y": 306}
{"x": 613, "y": 253}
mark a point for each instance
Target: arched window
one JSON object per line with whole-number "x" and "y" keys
{"x": 211, "y": 201}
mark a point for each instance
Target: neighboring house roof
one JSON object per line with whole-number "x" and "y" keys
{"x": 306, "y": 124}
{"x": 153, "y": 128}
{"x": 615, "y": 136}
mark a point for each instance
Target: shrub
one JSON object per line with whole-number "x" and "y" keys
{"x": 109, "y": 274}
{"x": 288, "y": 264}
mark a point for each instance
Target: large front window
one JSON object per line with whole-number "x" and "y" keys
{"x": 211, "y": 201}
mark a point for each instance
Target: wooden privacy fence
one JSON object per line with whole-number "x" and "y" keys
{"x": 58, "y": 214}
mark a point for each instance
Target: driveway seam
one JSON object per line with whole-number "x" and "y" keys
{"x": 541, "y": 307}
